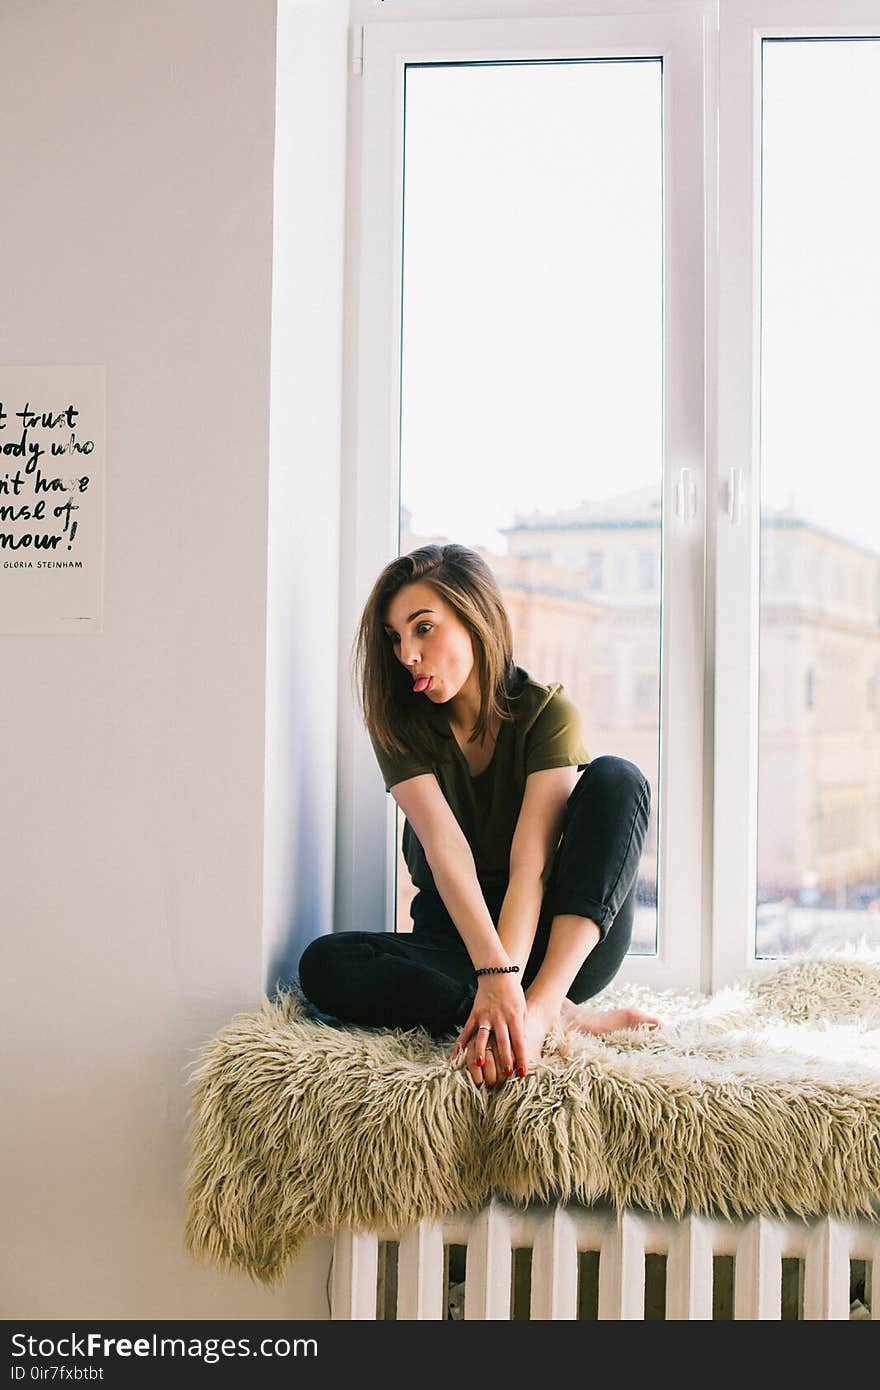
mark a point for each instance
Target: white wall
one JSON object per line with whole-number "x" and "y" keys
{"x": 304, "y": 480}
{"x": 138, "y": 158}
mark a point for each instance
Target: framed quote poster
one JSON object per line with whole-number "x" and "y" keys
{"x": 52, "y": 470}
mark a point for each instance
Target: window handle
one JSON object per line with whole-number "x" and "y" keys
{"x": 685, "y": 495}
{"x": 735, "y": 496}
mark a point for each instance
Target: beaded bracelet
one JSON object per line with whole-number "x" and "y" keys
{"x": 498, "y": 970}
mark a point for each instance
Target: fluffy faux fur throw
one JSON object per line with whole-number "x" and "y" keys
{"x": 762, "y": 1098}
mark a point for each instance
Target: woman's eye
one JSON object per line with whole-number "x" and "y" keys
{"x": 395, "y": 639}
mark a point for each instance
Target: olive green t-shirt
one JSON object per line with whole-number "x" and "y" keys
{"x": 545, "y": 732}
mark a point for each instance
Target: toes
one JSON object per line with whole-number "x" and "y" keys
{"x": 636, "y": 1018}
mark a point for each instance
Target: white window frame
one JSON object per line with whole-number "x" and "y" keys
{"x": 367, "y": 844}
{"x": 709, "y": 673}
{"x": 744, "y": 26}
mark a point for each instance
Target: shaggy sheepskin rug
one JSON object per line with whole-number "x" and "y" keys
{"x": 762, "y": 1098}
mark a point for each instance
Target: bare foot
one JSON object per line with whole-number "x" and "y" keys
{"x": 598, "y": 1021}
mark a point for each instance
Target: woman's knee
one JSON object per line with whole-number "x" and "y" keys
{"x": 320, "y": 965}
{"x": 610, "y": 789}
{"x": 618, "y": 773}
{"x": 603, "y": 836}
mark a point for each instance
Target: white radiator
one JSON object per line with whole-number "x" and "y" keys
{"x": 583, "y": 1263}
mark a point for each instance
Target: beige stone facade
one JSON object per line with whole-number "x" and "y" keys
{"x": 582, "y": 589}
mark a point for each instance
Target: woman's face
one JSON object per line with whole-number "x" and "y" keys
{"x": 429, "y": 639}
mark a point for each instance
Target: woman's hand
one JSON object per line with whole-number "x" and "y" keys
{"x": 500, "y": 1003}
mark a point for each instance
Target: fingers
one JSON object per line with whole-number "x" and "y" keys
{"x": 474, "y": 1058}
{"x": 491, "y": 1067}
{"x": 503, "y": 1053}
{"x": 489, "y": 1058}
{"x": 491, "y": 1055}
{"x": 519, "y": 1055}
{"x": 499, "y": 1062}
{"x": 478, "y": 1057}
{"x": 464, "y": 1037}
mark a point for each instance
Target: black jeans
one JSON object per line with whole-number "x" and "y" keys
{"x": 426, "y": 977}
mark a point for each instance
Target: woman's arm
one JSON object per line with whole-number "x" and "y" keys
{"x": 451, "y": 862}
{"x": 499, "y": 1000}
{"x": 537, "y": 833}
{"x": 455, "y": 875}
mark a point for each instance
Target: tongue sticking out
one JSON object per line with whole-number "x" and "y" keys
{"x": 421, "y": 683}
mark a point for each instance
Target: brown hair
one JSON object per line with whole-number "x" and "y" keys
{"x": 465, "y": 582}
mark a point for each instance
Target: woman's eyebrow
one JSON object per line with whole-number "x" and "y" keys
{"x": 410, "y": 618}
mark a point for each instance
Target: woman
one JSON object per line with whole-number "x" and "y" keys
{"x": 513, "y": 928}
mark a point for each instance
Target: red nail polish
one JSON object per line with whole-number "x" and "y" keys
{"x": 479, "y": 1062}
{"x": 522, "y": 1071}
{"x": 508, "y": 1071}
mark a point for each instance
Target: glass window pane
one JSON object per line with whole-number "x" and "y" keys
{"x": 531, "y": 374}
{"x": 819, "y": 769}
